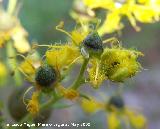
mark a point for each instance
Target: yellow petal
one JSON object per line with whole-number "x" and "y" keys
{"x": 20, "y": 41}
{"x": 90, "y": 106}
{"x": 137, "y": 120}
{"x": 96, "y": 76}
{"x": 4, "y": 36}
{"x": 67, "y": 93}
{"x": 144, "y": 14}
{"x": 33, "y": 106}
{"x": 62, "y": 57}
{"x": 113, "y": 121}
{"x": 107, "y": 4}
{"x": 112, "y": 23}
{"x": 78, "y": 36}
{"x": 27, "y": 67}
{"x": 3, "y": 73}
{"x": 120, "y": 64}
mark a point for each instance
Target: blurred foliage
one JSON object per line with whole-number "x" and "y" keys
{"x": 40, "y": 19}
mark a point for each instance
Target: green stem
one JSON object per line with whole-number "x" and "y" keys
{"x": 78, "y": 81}
{"x": 12, "y": 63}
{"x": 56, "y": 98}
{"x": 11, "y": 6}
{"x": 42, "y": 107}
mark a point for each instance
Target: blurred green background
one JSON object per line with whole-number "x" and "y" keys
{"x": 40, "y": 17}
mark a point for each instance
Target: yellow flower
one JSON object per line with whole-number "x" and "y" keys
{"x": 91, "y": 105}
{"x": 6, "y": 25}
{"x": 62, "y": 56}
{"x": 68, "y": 93}
{"x": 138, "y": 121}
{"x": 106, "y": 4}
{"x": 10, "y": 28}
{"x": 27, "y": 67}
{"x": 119, "y": 64}
{"x": 19, "y": 37}
{"x": 145, "y": 11}
{"x": 113, "y": 121}
{"x": 4, "y": 36}
{"x": 80, "y": 12}
{"x": 111, "y": 23}
{"x": 3, "y": 73}
{"x": 96, "y": 75}
{"x": 130, "y": 118}
{"x": 33, "y": 104}
{"x": 115, "y": 117}
{"x": 144, "y": 14}
{"x": 154, "y": 5}
{"x": 71, "y": 94}
{"x": 115, "y": 64}
{"x": 78, "y": 34}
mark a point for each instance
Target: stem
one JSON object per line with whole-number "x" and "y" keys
{"x": 42, "y": 107}
{"x": 77, "y": 82}
{"x": 12, "y": 63}
{"x": 11, "y": 6}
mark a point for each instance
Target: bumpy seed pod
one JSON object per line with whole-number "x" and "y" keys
{"x": 93, "y": 44}
{"x": 116, "y": 101}
{"x": 17, "y": 108}
{"x": 119, "y": 64}
{"x": 45, "y": 76}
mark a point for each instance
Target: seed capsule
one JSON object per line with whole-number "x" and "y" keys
{"x": 116, "y": 101}
{"x": 45, "y": 76}
{"x": 93, "y": 44}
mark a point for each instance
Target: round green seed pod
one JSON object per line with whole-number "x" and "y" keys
{"x": 45, "y": 76}
{"x": 116, "y": 101}
{"x": 93, "y": 44}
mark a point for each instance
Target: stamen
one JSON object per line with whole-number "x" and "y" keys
{"x": 25, "y": 94}
{"x": 97, "y": 70}
{"x": 59, "y": 28}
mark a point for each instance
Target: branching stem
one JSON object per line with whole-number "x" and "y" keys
{"x": 78, "y": 81}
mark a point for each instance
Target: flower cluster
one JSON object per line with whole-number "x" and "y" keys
{"x": 100, "y": 59}
{"x": 118, "y": 114}
{"x": 144, "y": 11}
{"x": 86, "y": 47}
{"x": 13, "y": 39}
{"x": 11, "y": 29}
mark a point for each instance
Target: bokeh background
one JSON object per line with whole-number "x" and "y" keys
{"x": 39, "y": 18}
